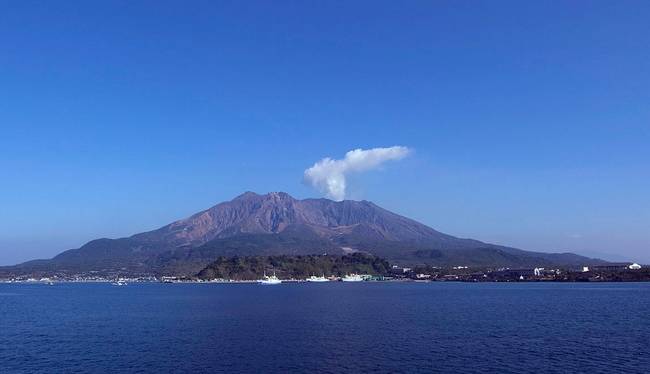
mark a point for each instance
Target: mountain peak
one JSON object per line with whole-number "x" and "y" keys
{"x": 275, "y": 195}
{"x": 247, "y": 195}
{"x": 279, "y": 195}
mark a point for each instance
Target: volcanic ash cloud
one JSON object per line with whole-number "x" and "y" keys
{"x": 329, "y": 175}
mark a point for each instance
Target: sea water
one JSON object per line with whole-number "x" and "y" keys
{"x": 325, "y": 328}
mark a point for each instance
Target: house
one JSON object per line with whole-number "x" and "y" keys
{"x": 541, "y": 272}
{"x": 399, "y": 270}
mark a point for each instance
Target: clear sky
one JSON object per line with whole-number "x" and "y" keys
{"x": 529, "y": 121}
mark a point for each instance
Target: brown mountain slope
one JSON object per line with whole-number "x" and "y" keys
{"x": 276, "y": 223}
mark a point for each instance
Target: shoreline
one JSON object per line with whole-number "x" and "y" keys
{"x": 296, "y": 281}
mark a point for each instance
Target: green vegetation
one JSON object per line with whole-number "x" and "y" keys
{"x": 297, "y": 267}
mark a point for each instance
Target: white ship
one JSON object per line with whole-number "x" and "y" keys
{"x": 269, "y": 280}
{"x": 316, "y": 279}
{"x": 352, "y": 278}
{"x": 119, "y": 282}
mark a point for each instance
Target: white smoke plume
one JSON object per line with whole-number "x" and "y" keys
{"x": 328, "y": 175}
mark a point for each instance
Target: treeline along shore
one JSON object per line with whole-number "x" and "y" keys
{"x": 301, "y": 267}
{"x": 294, "y": 267}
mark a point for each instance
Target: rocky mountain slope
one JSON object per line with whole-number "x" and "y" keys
{"x": 276, "y": 223}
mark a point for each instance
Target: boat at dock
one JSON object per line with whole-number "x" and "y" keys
{"x": 269, "y": 280}
{"x": 352, "y": 278}
{"x": 316, "y": 279}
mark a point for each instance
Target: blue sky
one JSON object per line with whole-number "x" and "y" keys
{"x": 529, "y": 121}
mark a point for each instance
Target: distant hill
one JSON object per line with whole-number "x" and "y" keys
{"x": 296, "y": 267}
{"x": 278, "y": 224}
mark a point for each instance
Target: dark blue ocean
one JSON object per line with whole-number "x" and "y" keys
{"x": 325, "y": 328}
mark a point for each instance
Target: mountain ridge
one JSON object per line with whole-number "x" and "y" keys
{"x": 278, "y": 224}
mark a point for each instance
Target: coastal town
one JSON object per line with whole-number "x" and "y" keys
{"x": 610, "y": 272}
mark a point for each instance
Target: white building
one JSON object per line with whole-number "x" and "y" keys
{"x": 634, "y": 266}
